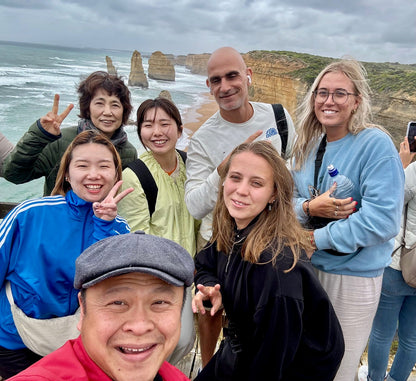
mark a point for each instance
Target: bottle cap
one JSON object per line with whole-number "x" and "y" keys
{"x": 332, "y": 170}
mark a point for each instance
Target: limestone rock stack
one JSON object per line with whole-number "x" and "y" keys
{"x": 197, "y": 63}
{"x": 165, "y": 94}
{"x": 171, "y": 58}
{"x": 180, "y": 60}
{"x": 137, "y": 76}
{"x": 160, "y": 67}
{"x": 110, "y": 67}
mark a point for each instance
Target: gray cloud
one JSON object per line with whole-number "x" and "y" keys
{"x": 370, "y": 30}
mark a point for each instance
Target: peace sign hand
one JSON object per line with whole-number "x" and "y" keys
{"x": 107, "y": 209}
{"x": 51, "y": 122}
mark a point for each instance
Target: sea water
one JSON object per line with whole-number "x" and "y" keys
{"x": 30, "y": 75}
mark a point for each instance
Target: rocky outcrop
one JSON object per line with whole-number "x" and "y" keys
{"x": 160, "y": 67}
{"x": 171, "y": 58}
{"x": 165, "y": 94}
{"x": 110, "y": 67}
{"x": 137, "y": 76}
{"x": 197, "y": 63}
{"x": 180, "y": 60}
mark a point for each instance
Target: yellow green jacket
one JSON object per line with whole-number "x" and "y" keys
{"x": 171, "y": 218}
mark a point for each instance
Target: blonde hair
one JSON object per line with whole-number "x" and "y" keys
{"x": 275, "y": 228}
{"x": 91, "y": 136}
{"x": 310, "y": 129}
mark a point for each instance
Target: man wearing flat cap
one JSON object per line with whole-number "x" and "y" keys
{"x": 132, "y": 293}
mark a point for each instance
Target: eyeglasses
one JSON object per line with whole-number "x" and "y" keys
{"x": 339, "y": 96}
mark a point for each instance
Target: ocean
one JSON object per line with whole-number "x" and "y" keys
{"x": 30, "y": 75}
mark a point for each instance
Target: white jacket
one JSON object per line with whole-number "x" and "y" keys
{"x": 410, "y": 201}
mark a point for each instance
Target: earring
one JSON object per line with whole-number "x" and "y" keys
{"x": 353, "y": 111}
{"x": 67, "y": 179}
{"x": 270, "y": 206}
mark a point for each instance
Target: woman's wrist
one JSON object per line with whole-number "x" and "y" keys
{"x": 306, "y": 208}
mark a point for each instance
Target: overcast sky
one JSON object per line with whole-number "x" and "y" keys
{"x": 369, "y": 30}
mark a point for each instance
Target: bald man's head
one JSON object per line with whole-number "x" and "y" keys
{"x": 228, "y": 80}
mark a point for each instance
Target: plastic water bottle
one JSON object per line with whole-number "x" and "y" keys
{"x": 344, "y": 184}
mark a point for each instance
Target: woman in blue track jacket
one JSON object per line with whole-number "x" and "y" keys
{"x": 41, "y": 238}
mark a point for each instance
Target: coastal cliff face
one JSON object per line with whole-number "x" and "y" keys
{"x": 394, "y": 112}
{"x": 273, "y": 84}
{"x": 284, "y": 77}
{"x": 160, "y": 67}
{"x": 137, "y": 76}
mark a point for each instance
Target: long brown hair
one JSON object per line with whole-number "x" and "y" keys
{"x": 274, "y": 228}
{"x": 91, "y": 136}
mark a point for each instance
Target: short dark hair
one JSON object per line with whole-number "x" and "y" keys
{"x": 112, "y": 84}
{"x": 165, "y": 104}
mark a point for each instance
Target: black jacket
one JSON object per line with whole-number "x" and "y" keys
{"x": 287, "y": 326}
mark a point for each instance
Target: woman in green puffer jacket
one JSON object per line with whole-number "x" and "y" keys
{"x": 104, "y": 102}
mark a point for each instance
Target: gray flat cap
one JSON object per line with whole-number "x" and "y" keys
{"x": 134, "y": 252}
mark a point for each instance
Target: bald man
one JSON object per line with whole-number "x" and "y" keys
{"x": 237, "y": 120}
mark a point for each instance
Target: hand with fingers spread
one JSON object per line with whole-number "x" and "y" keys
{"x": 250, "y": 139}
{"x": 329, "y": 207}
{"x": 51, "y": 122}
{"x": 107, "y": 209}
{"x": 406, "y": 156}
{"x": 207, "y": 293}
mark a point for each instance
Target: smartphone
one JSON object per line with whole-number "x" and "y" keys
{"x": 411, "y": 133}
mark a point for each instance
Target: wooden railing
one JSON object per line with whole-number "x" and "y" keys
{"x": 6, "y": 207}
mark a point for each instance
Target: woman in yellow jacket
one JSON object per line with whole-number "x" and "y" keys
{"x": 157, "y": 205}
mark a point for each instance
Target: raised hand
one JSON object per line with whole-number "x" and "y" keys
{"x": 405, "y": 155}
{"x": 107, "y": 209}
{"x": 250, "y": 139}
{"x": 207, "y": 293}
{"x": 51, "y": 122}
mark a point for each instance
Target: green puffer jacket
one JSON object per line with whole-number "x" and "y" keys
{"x": 38, "y": 153}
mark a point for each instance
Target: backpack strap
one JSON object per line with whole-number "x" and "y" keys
{"x": 281, "y": 124}
{"x": 147, "y": 181}
{"x": 183, "y": 154}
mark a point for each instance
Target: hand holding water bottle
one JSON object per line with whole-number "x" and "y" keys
{"x": 336, "y": 202}
{"x": 325, "y": 205}
{"x": 51, "y": 122}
